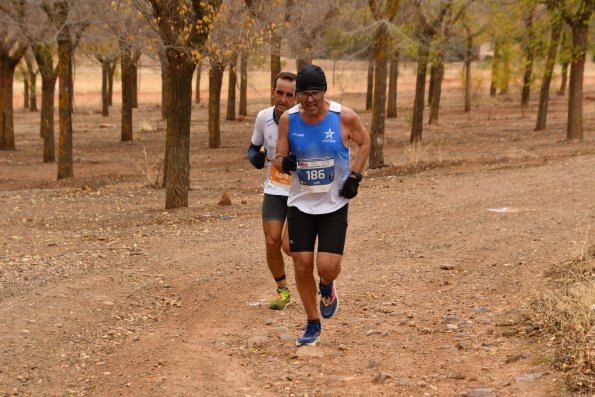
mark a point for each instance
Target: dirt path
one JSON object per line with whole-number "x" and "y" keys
{"x": 102, "y": 292}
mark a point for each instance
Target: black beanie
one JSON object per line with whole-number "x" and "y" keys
{"x": 310, "y": 77}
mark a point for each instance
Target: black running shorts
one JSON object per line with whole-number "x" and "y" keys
{"x": 330, "y": 229}
{"x": 274, "y": 208}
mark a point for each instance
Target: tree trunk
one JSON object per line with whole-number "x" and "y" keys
{"x": 379, "y": 103}
{"x": 393, "y": 77}
{"x": 231, "y": 89}
{"x": 215, "y": 83}
{"x": 65, "y": 86}
{"x": 275, "y": 60}
{"x": 45, "y": 62}
{"x": 110, "y": 81}
{"x": 505, "y": 69}
{"x": 564, "y": 79}
{"x": 134, "y": 85}
{"x": 7, "y": 67}
{"x": 370, "y": 87}
{"x": 468, "y": 55}
{"x": 243, "y": 111}
{"x": 178, "y": 130}
{"x": 48, "y": 87}
{"x": 580, "y": 36}
{"x": 544, "y": 93}
{"x": 25, "y": 89}
{"x": 127, "y": 87}
{"x": 165, "y": 76}
{"x": 436, "y": 77}
{"x": 495, "y": 71}
{"x": 436, "y": 91}
{"x": 33, "y": 91}
{"x": 104, "y": 83}
{"x": 420, "y": 88}
{"x": 197, "y": 86}
{"x": 530, "y": 56}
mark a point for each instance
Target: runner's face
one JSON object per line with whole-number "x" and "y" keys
{"x": 312, "y": 101}
{"x": 283, "y": 95}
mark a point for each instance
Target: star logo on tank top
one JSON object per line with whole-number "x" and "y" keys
{"x": 329, "y": 136}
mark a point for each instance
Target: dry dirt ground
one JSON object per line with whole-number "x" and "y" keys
{"x": 105, "y": 293}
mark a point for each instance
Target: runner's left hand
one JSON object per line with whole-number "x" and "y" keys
{"x": 349, "y": 189}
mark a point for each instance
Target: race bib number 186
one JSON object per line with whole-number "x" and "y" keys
{"x": 316, "y": 175}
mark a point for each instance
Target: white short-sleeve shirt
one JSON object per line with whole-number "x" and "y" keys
{"x": 266, "y": 133}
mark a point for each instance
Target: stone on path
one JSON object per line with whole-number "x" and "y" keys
{"x": 225, "y": 200}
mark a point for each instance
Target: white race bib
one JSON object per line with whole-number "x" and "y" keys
{"x": 316, "y": 175}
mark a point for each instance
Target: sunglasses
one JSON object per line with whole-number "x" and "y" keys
{"x": 316, "y": 95}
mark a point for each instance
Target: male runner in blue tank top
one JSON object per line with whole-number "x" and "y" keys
{"x": 313, "y": 145}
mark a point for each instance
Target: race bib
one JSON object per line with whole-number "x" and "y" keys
{"x": 279, "y": 179}
{"x": 316, "y": 175}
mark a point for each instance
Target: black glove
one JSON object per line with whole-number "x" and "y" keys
{"x": 258, "y": 160}
{"x": 256, "y": 157}
{"x": 349, "y": 189}
{"x": 289, "y": 163}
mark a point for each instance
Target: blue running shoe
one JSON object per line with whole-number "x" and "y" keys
{"x": 311, "y": 334}
{"x": 329, "y": 301}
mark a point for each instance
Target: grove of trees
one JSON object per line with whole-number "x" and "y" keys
{"x": 185, "y": 37}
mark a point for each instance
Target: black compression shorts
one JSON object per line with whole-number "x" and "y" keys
{"x": 274, "y": 208}
{"x": 330, "y": 229}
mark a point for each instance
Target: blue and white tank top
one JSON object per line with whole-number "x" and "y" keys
{"x": 322, "y": 162}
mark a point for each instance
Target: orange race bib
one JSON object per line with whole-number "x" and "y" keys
{"x": 279, "y": 179}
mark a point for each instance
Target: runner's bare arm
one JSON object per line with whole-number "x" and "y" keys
{"x": 358, "y": 134}
{"x": 282, "y": 149}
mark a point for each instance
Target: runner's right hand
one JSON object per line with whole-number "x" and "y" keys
{"x": 289, "y": 163}
{"x": 258, "y": 160}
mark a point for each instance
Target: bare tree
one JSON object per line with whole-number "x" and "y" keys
{"x": 231, "y": 88}
{"x": 184, "y": 32}
{"x": 426, "y": 28}
{"x": 544, "y": 94}
{"x": 577, "y": 15}
{"x": 12, "y": 49}
{"x": 243, "y": 111}
{"x": 384, "y": 13}
{"x": 529, "y": 49}
{"x": 31, "y": 78}
{"x": 393, "y": 76}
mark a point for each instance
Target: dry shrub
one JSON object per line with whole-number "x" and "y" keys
{"x": 564, "y": 315}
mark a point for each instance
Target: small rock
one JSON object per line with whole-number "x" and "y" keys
{"x": 458, "y": 375}
{"x": 373, "y": 363}
{"x": 530, "y": 377}
{"x": 286, "y": 337}
{"x": 480, "y": 392}
{"x": 481, "y": 309}
{"x": 452, "y": 327}
{"x": 451, "y": 318}
{"x": 309, "y": 351}
{"x": 376, "y": 332}
{"x": 447, "y": 266}
{"x": 380, "y": 377}
{"x": 270, "y": 321}
{"x": 404, "y": 382}
{"x": 514, "y": 358}
{"x": 258, "y": 341}
{"x": 225, "y": 200}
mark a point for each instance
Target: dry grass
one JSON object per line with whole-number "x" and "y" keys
{"x": 563, "y": 315}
